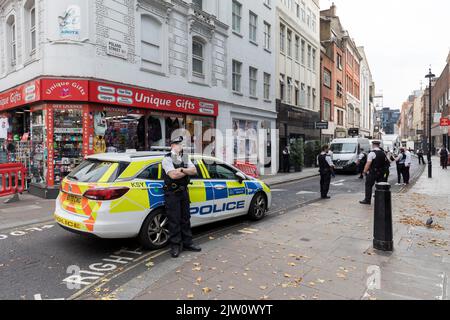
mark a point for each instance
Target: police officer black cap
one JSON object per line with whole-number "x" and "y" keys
{"x": 178, "y": 140}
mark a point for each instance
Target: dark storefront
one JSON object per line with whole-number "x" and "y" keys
{"x": 297, "y": 123}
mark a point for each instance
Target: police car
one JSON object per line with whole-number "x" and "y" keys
{"x": 122, "y": 196}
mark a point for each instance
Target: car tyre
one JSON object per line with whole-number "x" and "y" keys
{"x": 154, "y": 233}
{"x": 258, "y": 207}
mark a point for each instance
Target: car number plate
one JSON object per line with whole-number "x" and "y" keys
{"x": 74, "y": 199}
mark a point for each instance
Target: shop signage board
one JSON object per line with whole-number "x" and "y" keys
{"x": 117, "y": 49}
{"x": 323, "y": 125}
{"x": 64, "y": 89}
{"x": 155, "y": 100}
{"x": 20, "y": 95}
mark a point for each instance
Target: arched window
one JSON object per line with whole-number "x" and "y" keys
{"x": 151, "y": 43}
{"x": 198, "y": 57}
{"x": 11, "y": 39}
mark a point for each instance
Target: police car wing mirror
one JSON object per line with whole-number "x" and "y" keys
{"x": 240, "y": 176}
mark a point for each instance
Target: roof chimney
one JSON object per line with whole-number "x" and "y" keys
{"x": 333, "y": 10}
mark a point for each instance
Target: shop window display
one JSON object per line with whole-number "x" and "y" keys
{"x": 173, "y": 123}
{"x": 67, "y": 142}
{"x": 197, "y": 125}
{"x": 245, "y": 140}
{"x": 37, "y": 168}
{"x": 117, "y": 132}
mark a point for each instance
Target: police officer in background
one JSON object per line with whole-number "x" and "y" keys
{"x": 376, "y": 167}
{"x": 326, "y": 168}
{"x": 177, "y": 169}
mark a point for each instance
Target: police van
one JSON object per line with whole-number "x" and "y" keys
{"x": 121, "y": 196}
{"x": 346, "y": 153}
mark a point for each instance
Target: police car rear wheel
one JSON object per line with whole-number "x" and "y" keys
{"x": 258, "y": 207}
{"x": 155, "y": 233}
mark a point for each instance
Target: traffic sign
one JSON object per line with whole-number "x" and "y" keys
{"x": 445, "y": 122}
{"x": 353, "y": 132}
{"x": 322, "y": 125}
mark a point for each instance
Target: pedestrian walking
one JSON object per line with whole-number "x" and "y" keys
{"x": 326, "y": 169}
{"x": 361, "y": 163}
{"x": 177, "y": 169}
{"x": 286, "y": 160}
{"x": 443, "y": 153}
{"x": 375, "y": 170}
{"x": 420, "y": 154}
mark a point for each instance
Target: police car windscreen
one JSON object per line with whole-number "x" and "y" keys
{"x": 93, "y": 170}
{"x": 343, "y": 148}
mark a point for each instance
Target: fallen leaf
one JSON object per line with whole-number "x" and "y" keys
{"x": 291, "y": 264}
{"x": 190, "y": 296}
{"x": 211, "y": 238}
{"x": 206, "y": 290}
{"x": 263, "y": 287}
{"x": 231, "y": 287}
{"x": 287, "y": 275}
{"x": 150, "y": 264}
{"x": 320, "y": 280}
{"x": 264, "y": 298}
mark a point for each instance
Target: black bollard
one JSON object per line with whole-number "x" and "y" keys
{"x": 382, "y": 228}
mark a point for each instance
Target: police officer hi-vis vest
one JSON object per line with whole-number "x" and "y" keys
{"x": 172, "y": 185}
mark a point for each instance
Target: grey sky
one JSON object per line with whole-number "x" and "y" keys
{"x": 402, "y": 38}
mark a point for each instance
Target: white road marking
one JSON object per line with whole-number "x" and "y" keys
{"x": 305, "y": 192}
{"x": 338, "y": 183}
{"x": 39, "y": 297}
{"x": 278, "y": 190}
{"x": 22, "y": 232}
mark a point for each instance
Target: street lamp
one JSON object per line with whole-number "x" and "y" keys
{"x": 430, "y": 77}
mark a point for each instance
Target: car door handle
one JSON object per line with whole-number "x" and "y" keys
{"x": 220, "y": 187}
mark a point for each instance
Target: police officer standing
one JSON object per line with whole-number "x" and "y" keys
{"x": 377, "y": 164}
{"x": 326, "y": 168}
{"x": 177, "y": 168}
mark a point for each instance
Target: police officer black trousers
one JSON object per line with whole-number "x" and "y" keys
{"x": 371, "y": 179}
{"x": 177, "y": 210}
{"x": 325, "y": 180}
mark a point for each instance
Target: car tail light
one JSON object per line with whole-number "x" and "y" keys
{"x": 106, "y": 194}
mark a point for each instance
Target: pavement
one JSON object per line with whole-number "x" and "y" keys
{"x": 321, "y": 251}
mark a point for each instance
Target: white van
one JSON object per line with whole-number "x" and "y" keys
{"x": 346, "y": 152}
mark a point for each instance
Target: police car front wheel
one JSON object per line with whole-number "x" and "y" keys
{"x": 258, "y": 207}
{"x": 154, "y": 232}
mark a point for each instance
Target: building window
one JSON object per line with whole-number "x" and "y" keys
{"x": 151, "y": 43}
{"x": 237, "y": 17}
{"x": 11, "y": 40}
{"x": 297, "y": 93}
{"x": 267, "y": 36}
{"x": 339, "y": 89}
{"x": 282, "y": 38}
{"x": 314, "y": 59}
{"x": 253, "y": 27}
{"x": 314, "y": 23}
{"x": 308, "y": 105}
{"x": 302, "y": 95}
{"x": 303, "y": 11}
{"x": 289, "y": 43}
{"x": 327, "y": 78}
{"x": 282, "y": 88}
{"x": 267, "y": 86}
{"x": 297, "y": 48}
{"x": 351, "y": 116}
{"x": 303, "y": 51}
{"x": 308, "y": 18}
{"x": 289, "y": 91}
{"x": 309, "y": 56}
{"x": 33, "y": 28}
{"x": 198, "y": 4}
{"x": 326, "y": 110}
{"x": 197, "y": 58}
{"x": 340, "y": 116}
{"x": 339, "y": 61}
{"x": 237, "y": 76}
{"x": 253, "y": 81}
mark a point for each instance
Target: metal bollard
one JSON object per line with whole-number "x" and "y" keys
{"x": 383, "y": 233}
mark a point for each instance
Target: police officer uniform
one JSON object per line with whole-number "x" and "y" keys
{"x": 177, "y": 202}
{"x": 378, "y": 172}
{"x": 326, "y": 169}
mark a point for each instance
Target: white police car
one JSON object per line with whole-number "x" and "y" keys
{"x": 121, "y": 196}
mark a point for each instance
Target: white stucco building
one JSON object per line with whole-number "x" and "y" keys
{"x": 366, "y": 83}
{"x": 298, "y": 69}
